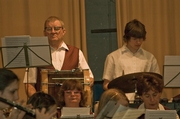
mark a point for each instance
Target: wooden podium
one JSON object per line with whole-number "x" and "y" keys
{"x": 51, "y": 81}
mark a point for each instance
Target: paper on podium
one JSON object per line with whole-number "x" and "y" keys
{"x": 149, "y": 114}
{"x": 131, "y": 113}
{"x": 171, "y": 71}
{"x": 160, "y": 114}
{"x": 25, "y": 51}
{"x": 74, "y": 112}
{"x": 110, "y": 109}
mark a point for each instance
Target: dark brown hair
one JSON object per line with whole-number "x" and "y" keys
{"x": 72, "y": 84}
{"x": 111, "y": 94}
{"x": 6, "y": 78}
{"x": 135, "y": 29}
{"x": 148, "y": 82}
{"x": 40, "y": 100}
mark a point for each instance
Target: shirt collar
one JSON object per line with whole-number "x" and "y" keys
{"x": 160, "y": 107}
{"x": 125, "y": 49}
{"x": 62, "y": 47}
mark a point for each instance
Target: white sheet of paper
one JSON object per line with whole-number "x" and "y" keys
{"x": 109, "y": 110}
{"x": 14, "y": 56}
{"x": 74, "y": 111}
{"x": 160, "y": 114}
{"x": 120, "y": 112}
{"x": 133, "y": 113}
{"x": 172, "y": 60}
{"x": 171, "y": 74}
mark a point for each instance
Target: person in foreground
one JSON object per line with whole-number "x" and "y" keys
{"x": 130, "y": 58}
{"x": 9, "y": 85}
{"x": 150, "y": 88}
{"x": 64, "y": 56}
{"x": 43, "y": 102}
{"x": 113, "y": 95}
{"x": 72, "y": 94}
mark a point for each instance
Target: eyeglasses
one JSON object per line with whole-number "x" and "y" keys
{"x": 56, "y": 29}
{"x": 69, "y": 92}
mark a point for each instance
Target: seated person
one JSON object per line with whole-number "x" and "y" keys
{"x": 40, "y": 100}
{"x": 72, "y": 94}
{"x": 111, "y": 94}
{"x": 9, "y": 85}
{"x": 149, "y": 88}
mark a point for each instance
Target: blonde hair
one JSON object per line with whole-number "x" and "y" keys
{"x": 111, "y": 94}
{"x": 71, "y": 84}
{"x": 52, "y": 19}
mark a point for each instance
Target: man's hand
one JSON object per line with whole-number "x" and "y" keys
{"x": 45, "y": 115}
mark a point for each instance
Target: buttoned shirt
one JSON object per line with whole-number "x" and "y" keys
{"x": 57, "y": 61}
{"x": 123, "y": 61}
{"x": 160, "y": 107}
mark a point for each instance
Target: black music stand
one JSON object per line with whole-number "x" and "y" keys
{"x": 26, "y": 56}
{"x": 171, "y": 76}
{"x": 171, "y": 71}
{"x": 25, "y": 52}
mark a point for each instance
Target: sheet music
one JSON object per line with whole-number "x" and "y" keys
{"x": 129, "y": 114}
{"x": 120, "y": 112}
{"x": 171, "y": 76}
{"x": 160, "y": 114}
{"x": 16, "y": 40}
{"x": 109, "y": 110}
{"x": 172, "y": 71}
{"x": 39, "y": 41}
{"x": 42, "y": 51}
{"x": 14, "y": 54}
{"x": 172, "y": 60}
{"x": 119, "y": 115}
{"x": 73, "y": 112}
{"x": 78, "y": 117}
{"x": 149, "y": 114}
{"x": 10, "y": 54}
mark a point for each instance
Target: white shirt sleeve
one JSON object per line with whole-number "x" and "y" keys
{"x": 30, "y": 75}
{"x": 109, "y": 68}
{"x": 83, "y": 63}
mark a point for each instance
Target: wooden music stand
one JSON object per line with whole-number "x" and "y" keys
{"x": 51, "y": 81}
